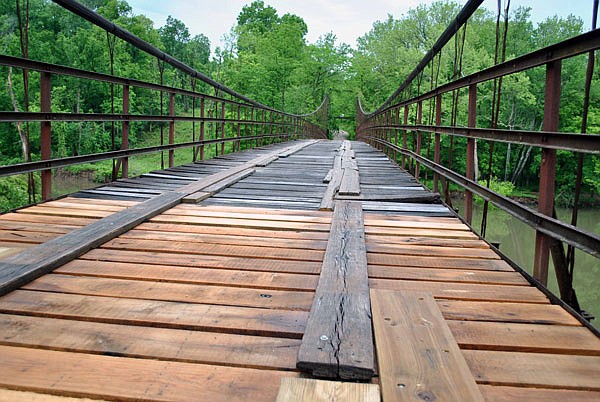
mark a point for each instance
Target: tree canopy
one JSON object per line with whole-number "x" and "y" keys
{"x": 268, "y": 58}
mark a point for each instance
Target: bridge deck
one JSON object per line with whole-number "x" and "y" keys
{"x": 210, "y": 300}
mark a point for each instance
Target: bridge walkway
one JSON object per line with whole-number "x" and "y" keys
{"x": 209, "y": 281}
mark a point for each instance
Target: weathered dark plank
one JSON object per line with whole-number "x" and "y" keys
{"x": 196, "y": 197}
{"x": 338, "y": 341}
{"x": 24, "y": 267}
{"x": 350, "y": 184}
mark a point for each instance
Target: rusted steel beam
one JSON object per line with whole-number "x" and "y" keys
{"x": 99, "y": 117}
{"x": 566, "y": 141}
{"x": 202, "y": 111}
{"x": 418, "y": 148}
{"x": 404, "y": 135}
{"x": 437, "y": 146}
{"x": 547, "y": 170}
{"x": 39, "y": 66}
{"x": 239, "y": 129}
{"x": 470, "y": 170}
{"x": 34, "y": 65}
{"x": 125, "y": 134}
{"x": 223, "y": 128}
{"x": 171, "y": 128}
{"x": 396, "y": 122}
{"x": 46, "y": 133}
{"x": 586, "y": 241}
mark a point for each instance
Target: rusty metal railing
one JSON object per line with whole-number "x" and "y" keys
{"x": 230, "y": 118}
{"x": 390, "y": 129}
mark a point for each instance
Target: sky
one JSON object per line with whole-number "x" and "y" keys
{"x": 347, "y": 19}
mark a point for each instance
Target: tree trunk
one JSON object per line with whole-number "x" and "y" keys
{"x": 507, "y": 164}
{"x": 22, "y": 135}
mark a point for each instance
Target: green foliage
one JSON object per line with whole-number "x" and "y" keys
{"x": 504, "y": 188}
{"x": 268, "y": 58}
{"x": 13, "y": 192}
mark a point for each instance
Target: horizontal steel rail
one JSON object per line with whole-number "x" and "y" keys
{"x": 586, "y": 241}
{"x": 589, "y": 143}
{"x": 33, "y": 65}
{"x": 12, "y": 117}
{"x": 37, "y": 166}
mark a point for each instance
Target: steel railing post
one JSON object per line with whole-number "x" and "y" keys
{"x": 547, "y": 169}
{"x": 46, "y": 132}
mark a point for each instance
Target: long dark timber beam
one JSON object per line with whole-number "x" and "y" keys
{"x": 338, "y": 341}
{"x": 32, "y": 263}
{"x": 586, "y": 241}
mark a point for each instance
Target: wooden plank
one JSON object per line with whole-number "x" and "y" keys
{"x": 350, "y": 183}
{"x": 542, "y": 338}
{"x": 7, "y": 395}
{"x": 438, "y": 251}
{"x": 50, "y": 220}
{"x": 223, "y": 184}
{"x": 196, "y": 197}
{"x": 247, "y": 223}
{"x": 426, "y": 198}
{"x": 204, "y": 261}
{"x": 8, "y": 226}
{"x": 426, "y": 241}
{"x": 503, "y": 393}
{"x": 327, "y": 203}
{"x": 266, "y": 214}
{"x": 69, "y": 212}
{"x": 177, "y": 315}
{"x": 418, "y": 224}
{"x": 265, "y": 161}
{"x": 121, "y": 378}
{"x": 438, "y": 262}
{"x": 448, "y": 275}
{"x": 215, "y": 249}
{"x": 21, "y": 236}
{"x": 254, "y": 241}
{"x": 207, "y": 276}
{"x": 24, "y": 267}
{"x": 149, "y": 342}
{"x": 262, "y": 211}
{"x": 305, "y": 389}
{"x": 465, "y": 291}
{"x": 68, "y": 204}
{"x": 233, "y": 231}
{"x": 506, "y": 312}
{"x": 436, "y": 233}
{"x": 534, "y": 369}
{"x": 99, "y": 202}
{"x": 417, "y": 354}
{"x": 180, "y": 292}
{"x": 338, "y": 341}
